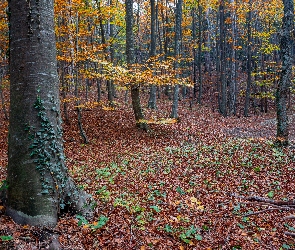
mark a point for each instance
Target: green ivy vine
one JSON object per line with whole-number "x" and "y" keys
{"x": 46, "y": 146}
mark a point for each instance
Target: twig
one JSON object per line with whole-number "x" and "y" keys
{"x": 289, "y": 234}
{"x": 265, "y": 200}
{"x": 272, "y": 205}
{"x": 262, "y": 211}
{"x": 290, "y": 217}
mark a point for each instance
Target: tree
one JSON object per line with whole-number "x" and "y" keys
{"x": 222, "y": 48}
{"x": 39, "y": 187}
{"x": 249, "y": 60}
{"x": 139, "y": 117}
{"x": 177, "y": 41}
{"x": 287, "y": 36}
{"x": 233, "y": 69}
{"x": 153, "y": 90}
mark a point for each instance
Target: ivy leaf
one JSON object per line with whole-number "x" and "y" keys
{"x": 198, "y": 237}
{"x": 271, "y": 194}
{"x": 180, "y": 191}
{"x": 6, "y": 238}
{"x": 156, "y": 208}
{"x": 82, "y": 220}
{"x": 102, "y": 221}
{"x": 168, "y": 229}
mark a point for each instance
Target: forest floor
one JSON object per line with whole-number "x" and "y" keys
{"x": 206, "y": 182}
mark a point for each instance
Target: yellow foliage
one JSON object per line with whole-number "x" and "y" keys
{"x": 107, "y": 108}
{"x": 159, "y": 121}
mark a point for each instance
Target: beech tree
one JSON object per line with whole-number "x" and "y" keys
{"x": 153, "y": 90}
{"x": 249, "y": 61}
{"x": 222, "y": 48}
{"x": 137, "y": 109}
{"x": 287, "y": 36}
{"x": 39, "y": 187}
{"x": 177, "y": 41}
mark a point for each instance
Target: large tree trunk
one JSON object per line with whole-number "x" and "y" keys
{"x": 287, "y": 37}
{"x": 39, "y": 187}
{"x": 139, "y": 117}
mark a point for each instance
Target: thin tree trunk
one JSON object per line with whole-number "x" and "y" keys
{"x": 249, "y": 61}
{"x": 287, "y": 38}
{"x": 103, "y": 41}
{"x": 79, "y": 111}
{"x": 178, "y": 21}
{"x": 135, "y": 95}
{"x": 2, "y": 98}
{"x": 64, "y": 94}
{"x": 98, "y": 84}
{"x": 112, "y": 55}
{"x": 193, "y": 13}
{"x": 233, "y": 82}
{"x": 223, "y": 84}
{"x": 200, "y": 53}
{"x": 153, "y": 89}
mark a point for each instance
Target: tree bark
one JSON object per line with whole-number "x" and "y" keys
{"x": 39, "y": 187}
{"x": 284, "y": 84}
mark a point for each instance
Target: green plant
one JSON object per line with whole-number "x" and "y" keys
{"x": 180, "y": 191}
{"x": 156, "y": 209}
{"x": 104, "y": 193}
{"x": 189, "y": 234}
{"x": 271, "y": 194}
{"x": 6, "y": 237}
{"x": 168, "y": 229}
{"x": 122, "y": 203}
{"x": 290, "y": 228}
{"x": 137, "y": 209}
{"x": 101, "y": 222}
{"x": 287, "y": 246}
{"x": 3, "y": 185}
{"x": 141, "y": 220}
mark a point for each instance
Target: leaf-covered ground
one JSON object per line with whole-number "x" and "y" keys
{"x": 178, "y": 186}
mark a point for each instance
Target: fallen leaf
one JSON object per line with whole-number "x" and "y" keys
{"x": 194, "y": 200}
